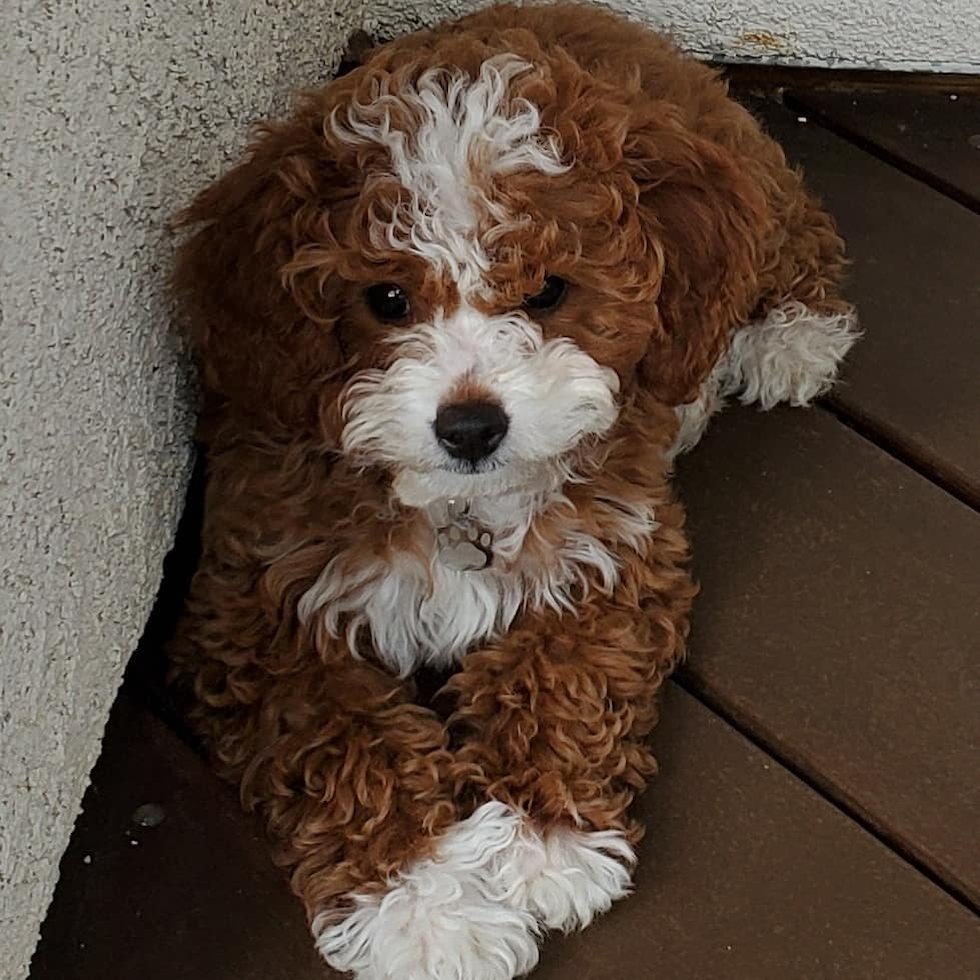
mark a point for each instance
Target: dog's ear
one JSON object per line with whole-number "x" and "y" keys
{"x": 705, "y": 218}
{"x": 257, "y": 343}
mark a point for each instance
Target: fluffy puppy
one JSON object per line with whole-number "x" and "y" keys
{"x": 453, "y": 317}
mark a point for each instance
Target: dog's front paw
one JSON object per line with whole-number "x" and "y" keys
{"x": 448, "y": 917}
{"x": 432, "y": 929}
{"x": 567, "y": 877}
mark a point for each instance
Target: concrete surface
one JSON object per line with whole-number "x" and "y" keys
{"x": 114, "y": 113}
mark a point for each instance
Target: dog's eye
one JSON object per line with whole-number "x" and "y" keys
{"x": 551, "y": 295}
{"x": 388, "y": 302}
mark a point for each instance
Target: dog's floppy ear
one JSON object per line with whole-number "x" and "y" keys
{"x": 256, "y": 345}
{"x": 705, "y": 219}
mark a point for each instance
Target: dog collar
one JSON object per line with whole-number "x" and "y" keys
{"x": 463, "y": 543}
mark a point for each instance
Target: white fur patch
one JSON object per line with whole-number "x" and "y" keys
{"x": 422, "y": 488}
{"x": 792, "y": 356}
{"x": 448, "y": 136}
{"x": 554, "y": 394}
{"x": 422, "y": 612}
{"x": 695, "y": 416}
{"x": 475, "y": 909}
{"x": 568, "y": 877}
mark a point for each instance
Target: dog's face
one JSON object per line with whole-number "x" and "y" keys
{"x": 462, "y": 272}
{"x": 490, "y": 353}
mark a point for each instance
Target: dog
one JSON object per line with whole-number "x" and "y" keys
{"x": 454, "y": 317}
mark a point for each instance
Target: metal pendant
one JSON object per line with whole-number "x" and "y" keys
{"x": 462, "y": 542}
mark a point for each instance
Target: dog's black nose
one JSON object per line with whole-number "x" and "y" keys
{"x": 471, "y": 430}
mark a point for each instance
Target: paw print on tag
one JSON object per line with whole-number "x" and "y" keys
{"x": 464, "y": 548}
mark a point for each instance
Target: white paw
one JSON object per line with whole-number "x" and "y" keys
{"x": 445, "y": 918}
{"x": 568, "y": 877}
{"x": 475, "y": 909}
{"x": 446, "y": 933}
{"x": 791, "y": 356}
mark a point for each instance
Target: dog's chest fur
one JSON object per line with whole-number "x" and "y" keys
{"x": 410, "y": 609}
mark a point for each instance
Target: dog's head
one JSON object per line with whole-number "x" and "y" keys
{"x": 461, "y": 264}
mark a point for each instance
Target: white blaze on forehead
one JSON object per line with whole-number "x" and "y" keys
{"x": 461, "y": 134}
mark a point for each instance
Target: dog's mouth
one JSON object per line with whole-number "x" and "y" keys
{"x": 487, "y": 479}
{"x": 482, "y": 467}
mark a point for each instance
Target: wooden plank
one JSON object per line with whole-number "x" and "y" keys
{"x": 914, "y": 379}
{"x": 746, "y": 873}
{"x": 930, "y": 133}
{"x": 839, "y": 622}
{"x": 746, "y": 76}
{"x": 196, "y": 898}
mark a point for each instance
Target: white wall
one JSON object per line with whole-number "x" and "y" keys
{"x": 117, "y": 112}
{"x": 900, "y": 35}
{"x": 114, "y": 113}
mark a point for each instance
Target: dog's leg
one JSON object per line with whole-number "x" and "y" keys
{"x": 801, "y": 330}
{"x": 352, "y": 779}
{"x": 554, "y": 720}
{"x": 357, "y": 786}
{"x": 396, "y": 886}
{"x": 791, "y": 355}
{"x": 448, "y": 915}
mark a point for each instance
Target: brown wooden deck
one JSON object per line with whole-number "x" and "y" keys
{"x": 817, "y": 811}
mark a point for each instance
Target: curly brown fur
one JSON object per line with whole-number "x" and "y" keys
{"x": 677, "y": 223}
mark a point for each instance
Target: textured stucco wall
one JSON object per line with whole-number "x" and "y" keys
{"x": 114, "y": 112}
{"x": 899, "y": 35}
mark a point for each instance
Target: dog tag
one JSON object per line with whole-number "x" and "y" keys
{"x": 463, "y": 543}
